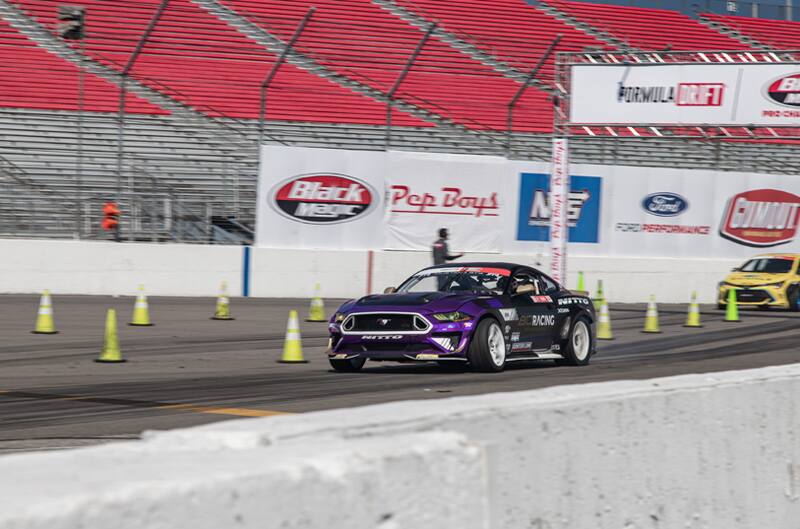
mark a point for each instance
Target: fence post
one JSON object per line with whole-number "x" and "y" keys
{"x": 262, "y": 111}
{"x": 400, "y": 79}
{"x": 123, "y": 94}
{"x": 521, "y": 91}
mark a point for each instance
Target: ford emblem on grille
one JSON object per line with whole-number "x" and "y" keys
{"x": 383, "y": 322}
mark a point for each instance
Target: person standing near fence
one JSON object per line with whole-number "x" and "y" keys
{"x": 441, "y": 252}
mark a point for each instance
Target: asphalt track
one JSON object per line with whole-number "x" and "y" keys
{"x": 189, "y": 370}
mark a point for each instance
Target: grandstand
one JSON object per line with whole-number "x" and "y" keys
{"x": 191, "y": 128}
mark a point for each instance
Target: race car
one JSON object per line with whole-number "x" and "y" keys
{"x": 482, "y": 314}
{"x": 769, "y": 280}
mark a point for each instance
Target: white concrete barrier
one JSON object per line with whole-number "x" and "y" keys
{"x": 698, "y": 451}
{"x": 78, "y": 267}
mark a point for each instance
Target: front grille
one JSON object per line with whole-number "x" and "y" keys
{"x": 385, "y": 323}
{"x": 752, "y": 296}
{"x": 386, "y": 348}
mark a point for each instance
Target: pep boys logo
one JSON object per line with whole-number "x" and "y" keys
{"x": 323, "y": 198}
{"x": 447, "y": 201}
{"x": 761, "y": 217}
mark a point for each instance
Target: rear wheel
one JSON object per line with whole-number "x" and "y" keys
{"x": 579, "y": 346}
{"x": 487, "y": 350}
{"x": 348, "y": 366}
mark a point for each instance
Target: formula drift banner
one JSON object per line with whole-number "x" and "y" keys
{"x": 426, "y": 192}
{"x": 727, "y": 94}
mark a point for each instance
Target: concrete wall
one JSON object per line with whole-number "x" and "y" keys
{"x": 697, "y": 451}
{"x": 77, "y": 267}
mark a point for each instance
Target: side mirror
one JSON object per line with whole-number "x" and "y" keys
{"x": 389, "y": 290}
{"x": 525, "y": 288}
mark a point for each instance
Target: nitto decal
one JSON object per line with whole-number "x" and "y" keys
{"x": 784, "y": 90}
{"x": 665, "y": 204}
{"x": 382, "y": 337}
{"x": 323, "y": 198}
{"x": 509, "y": 314}
{"x": 573, "y": 301}
{"x": 761, "y": 217}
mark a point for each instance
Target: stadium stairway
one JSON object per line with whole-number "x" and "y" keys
{"x": 721, "y": 27}
{"x": 445, "y": 34}
{"x": 759, "y": 32}
{"x": 643, "y": 28}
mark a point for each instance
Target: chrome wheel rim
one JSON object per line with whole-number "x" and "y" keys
{"x": 580, "y": 341}
{"x": 497, "y": 345}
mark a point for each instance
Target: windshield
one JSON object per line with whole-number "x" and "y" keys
{"x": 453, "y": 279}
{"x": 768, "y": 265}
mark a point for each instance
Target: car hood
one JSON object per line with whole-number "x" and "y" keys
{"x": 747, "y": 279}
{"x": 427, "y": 302}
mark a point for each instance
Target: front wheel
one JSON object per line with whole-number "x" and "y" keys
{"x": 792, "y": 297}
{"x": 487, "y": 350}
{"x": 579, "y": 346}
{"x": 350, "y": 365}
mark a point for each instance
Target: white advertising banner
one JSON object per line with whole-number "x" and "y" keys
{"x": 727, "y": 94}
{"x": 559, "y": 191}
{"x": 356, "y": 200}
{"x": 320, "y": 198}
{"x": 465, "y": 194}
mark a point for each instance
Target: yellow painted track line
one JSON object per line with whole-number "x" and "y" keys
{"x": 192, "y": 408}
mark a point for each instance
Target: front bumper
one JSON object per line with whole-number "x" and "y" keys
{"x": 771, "y": 296}
{"x": 443, "y": 341}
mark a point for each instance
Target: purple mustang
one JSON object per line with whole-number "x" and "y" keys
{"x": 486, "y": 314}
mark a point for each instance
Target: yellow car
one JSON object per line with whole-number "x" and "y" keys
{"x": 769, "y": 280}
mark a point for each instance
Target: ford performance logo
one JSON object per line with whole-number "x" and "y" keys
{"x": 323, "y": 198}
{"x": 665, "y": 204}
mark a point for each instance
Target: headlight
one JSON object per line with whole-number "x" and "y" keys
{"x": 338, "y": 317}
{"x": 452, "y": 316}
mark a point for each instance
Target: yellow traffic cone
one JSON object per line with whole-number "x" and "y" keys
{"x": 44, "y": 317}
{"x": 604, "y": 323}
{"x": 731, "y": 308}
{"x": 581, "y": 284}
{"x": 141, "y": 311}
{"x": 317, "y": 310}
{"x": 292, "y": 345}
{"x": 693, "y": 318}
{"x": 223, "y": 310}
{"x": 600, "y": 296}
{"x": 651, "y": 319}
{"x": 111, "y": 352}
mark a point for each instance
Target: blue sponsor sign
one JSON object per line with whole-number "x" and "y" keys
{"x": 583, "y": 208}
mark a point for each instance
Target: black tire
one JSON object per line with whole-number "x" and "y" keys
{"x": 480, "y": 349}
{"x": 791, "y": 296}
{"x": 348, "y": 366}
{"x": 580, "y": 344}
